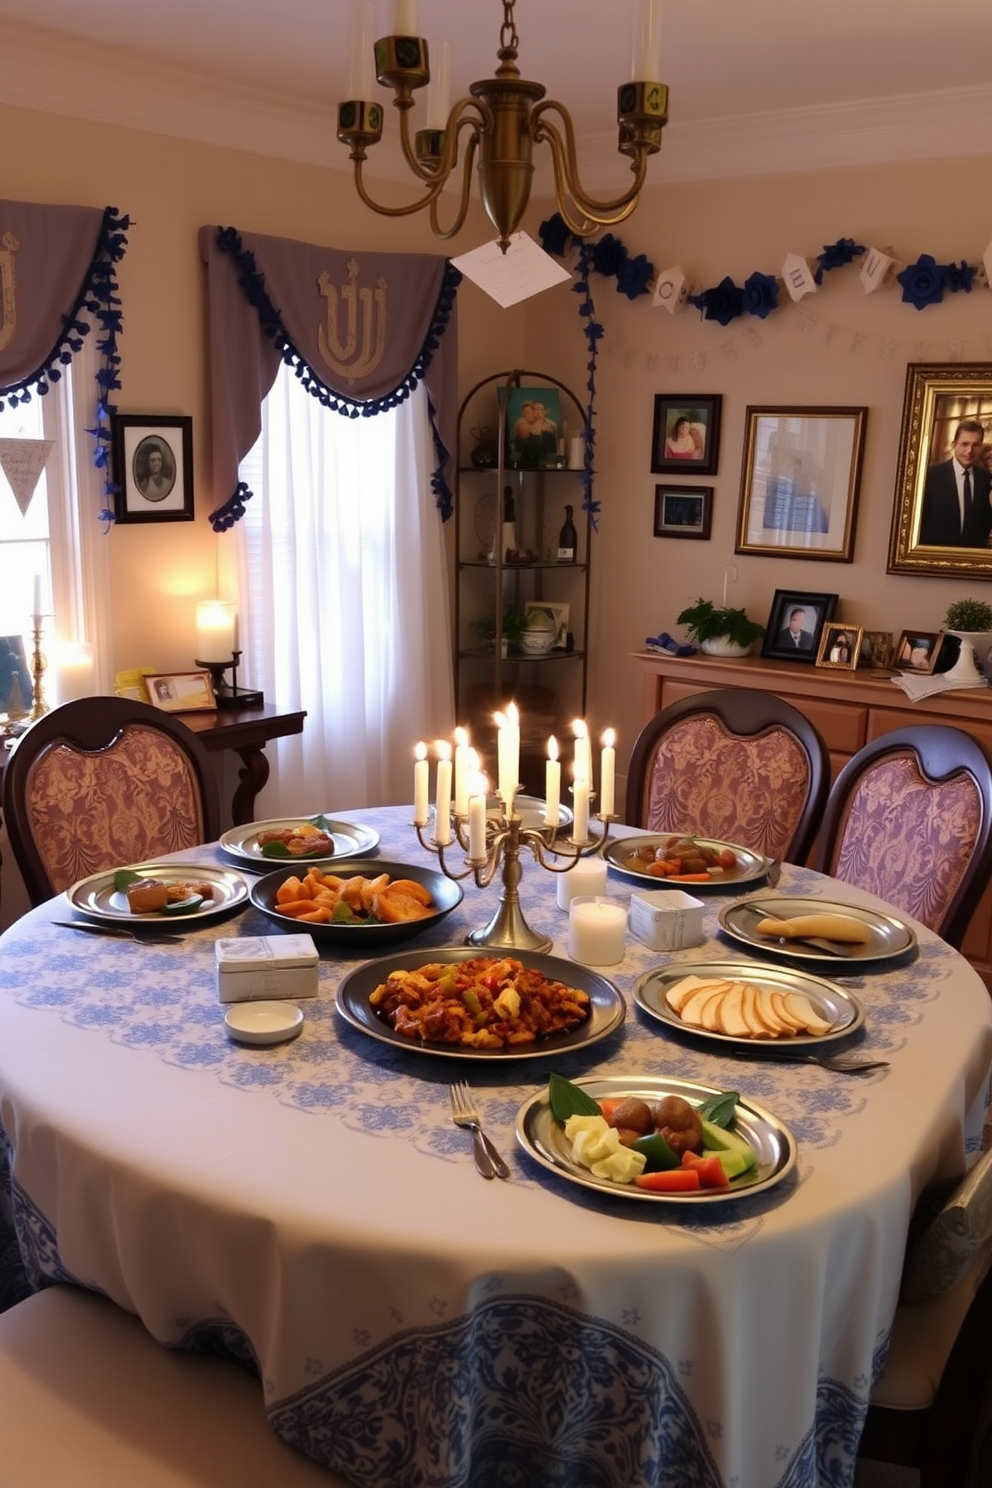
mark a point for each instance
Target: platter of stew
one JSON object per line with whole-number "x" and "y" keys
{"x": 651, "y": 860}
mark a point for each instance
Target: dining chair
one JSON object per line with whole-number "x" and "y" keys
{"x": 88, "y": 1397}
{"x": 102, "y": 782}
{"x": 931, "y": 1407}
{"x": 735, "y": 764}
{"x": 909, "y": 818}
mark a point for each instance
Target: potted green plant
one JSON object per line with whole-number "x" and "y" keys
{"x": 970, "y": 622}
{"x": 512, "y": 629}
{"x": 969, "y": 615}
{"x": 718, "y": 630}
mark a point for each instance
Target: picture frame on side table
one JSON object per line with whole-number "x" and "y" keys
{"x": 840, "y": 646}
{"x": 180, "y": 692}
{"x": 152, "y": 460}
{"x": 876, "y": 649}
{"x": 795, "y": 624}
{"x": 686, "y": 435}
{"x": 800, "y": 481}
{"x": 917, "y": 651}
{"x": 683, "y": 511}
{"x": 947, "y": 412}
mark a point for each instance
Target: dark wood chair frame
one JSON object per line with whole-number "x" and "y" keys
{"x": 745, "y": 712}
{"x": 940, "y": 751}
{"x": 91, "y": 724}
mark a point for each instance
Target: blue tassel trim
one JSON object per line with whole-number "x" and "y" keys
{"x": 253, "y": 285}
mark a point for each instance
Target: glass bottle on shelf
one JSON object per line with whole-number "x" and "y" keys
{"x": 509, "y": 522}
{"x": 568, "y": 539}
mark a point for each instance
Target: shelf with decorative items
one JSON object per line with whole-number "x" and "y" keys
{"x": 522, "y": 545}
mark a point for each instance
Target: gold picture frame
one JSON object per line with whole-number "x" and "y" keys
{"x": 180, "y": 692}
{"x": 840, "y": 646}
{"x": 800, "y": 481}
{"x": 938, "y": 400}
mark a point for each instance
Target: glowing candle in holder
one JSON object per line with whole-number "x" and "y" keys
{"x": 478, "y": 788}
{"x": 421, "y": 785}
{"x": 607, "y": 773}
{"x": 442, "y": 809}
{"x": 580, "y": 806}
{"x": 216, "y": 630}
{"x": 462, "y": 752}
{"x": 552, "y": 785}
{"x": 582, "y": 759}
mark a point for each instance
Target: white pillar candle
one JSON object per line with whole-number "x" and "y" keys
{"x": 607, "y": 773}
{"x": 421, "y": 785}
{"x": 582, "y": 758}
{"x": 361, "y": 77}
{"x": 580, "y": 806}
{"x": 645, "y": 66}
{"x": 36, "y": 611}
{"x": 403, "y": 20}
{"x": 478, "y": 789}
{"x": 439, "y": 88}
{"x": 597, "y": 931}
{"x": 442, "y": 808}
{"x": 513, "y": 756}
{"x": 73, "y": 665}
{"x": 552, "y": 785}
{"x": 216, "y": 630}
{"x": 462, "y": 752}
{"x": 586, "y": 876}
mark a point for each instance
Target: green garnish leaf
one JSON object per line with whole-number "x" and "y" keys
{"x": 343, "y": 914}
{"x": 567, "y": 1100}
{"x": 183, "y": 906}
{"x": 720, "y": 1109}
{"x": 124, "y": 878}
{"x": 275, "y": 850}
{"x": 322, "y": 824}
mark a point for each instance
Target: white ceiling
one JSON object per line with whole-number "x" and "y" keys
{"x": 762, "y": 85}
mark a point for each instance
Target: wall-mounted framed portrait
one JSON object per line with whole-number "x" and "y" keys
{"x": 152, "y": 460}
{"x": 686, "y": 435}
{"x": 683, "y": 511}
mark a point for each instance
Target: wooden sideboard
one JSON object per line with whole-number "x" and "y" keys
{"x": 848, "y": 708}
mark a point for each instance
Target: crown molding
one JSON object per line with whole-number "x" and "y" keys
{"x": 53, "y": 74}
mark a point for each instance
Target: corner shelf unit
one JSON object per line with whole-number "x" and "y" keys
{"x": 548, "y": 688}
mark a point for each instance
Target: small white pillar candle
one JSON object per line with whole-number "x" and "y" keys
{"x": 607, "y": 773}
{"x": 587, "y": 876}
{"x": 552, "y": 785}
{"x": 462, "y": 753}
{"x": 442, "y": 808}
{"x": 216, "y": 630}
{"x": 73, "y": 663}
{"x": 421, "y": 785}
{"x": 597, "y": 931}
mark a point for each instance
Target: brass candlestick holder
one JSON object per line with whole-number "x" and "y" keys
{"x": 38, "y": 664}
{"x": 505, "y": 836}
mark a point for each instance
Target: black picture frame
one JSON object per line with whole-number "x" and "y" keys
{"x": 917, "y": 651}
{"x": 152, "y": 461}
{"x": 683, "y": 511}
{"x": 820, "y": 606}
{"x": 701, "y": 413}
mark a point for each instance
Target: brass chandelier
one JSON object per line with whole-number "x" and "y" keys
{"x": 504, "y": 119}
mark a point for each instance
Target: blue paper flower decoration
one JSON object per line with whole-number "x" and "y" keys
{"x": 723, "y": 303}
{"x": 608, "y": 255}
{"x": 633, "y": 276}
{"x": 923, "y": 282}
{"x": 960, "y": 276}
{"x": 836, "y": 255}
{"x": 554, "y": 235}
{"x": 760, "y": 294}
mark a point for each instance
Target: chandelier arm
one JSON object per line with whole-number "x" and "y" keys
{"x": 602, "y": 213}
{"x": 449, "y": 232}
{"x": 460, "y": 118}
{"x": 405, "y": 211}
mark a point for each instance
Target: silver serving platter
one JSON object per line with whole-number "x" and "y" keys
{"x": 833, "y": 1003}
{"x": 540, "y": 1136}
{"x": 887, "y": 935}
{"x": 351, "y": 840}
{"x": 607, "y": 1010}
{"x": 750, "y": 865}
{"x": 530, "y": 810}
{"x": 97, "y": 897}
{"x": 361, "y": 939}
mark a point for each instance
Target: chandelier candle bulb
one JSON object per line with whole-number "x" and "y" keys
{"x": 588, "y": 876}
{"x": 439, "y": 88}
{"x": 442, "y": 809}
{"x": 552, "y": 785}
{"x": 360, "y": 50}
{"x": 607, "y": 773}
{"x": 403, "y": 18}
{"x": 421, "y": 785}
{"x": 646, "y": 57}
{"x": 597, "y": 931}
{"x": 462, "y": 752}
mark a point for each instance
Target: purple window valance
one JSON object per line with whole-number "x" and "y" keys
{"x": 57, "y": 279}
{"x": 359, "y": 329}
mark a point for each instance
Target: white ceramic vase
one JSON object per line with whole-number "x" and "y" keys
{"x": 973, "y": 655}
{"x": 723, "y": 646}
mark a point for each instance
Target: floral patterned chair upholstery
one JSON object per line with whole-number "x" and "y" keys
{"x": 910, "y": 819}
{"x": 734, "y": 764}
{"x": 102, "y": 782}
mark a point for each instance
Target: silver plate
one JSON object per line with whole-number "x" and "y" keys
{"x": 750, "y": 865}
{"x": 351, "y": 840}
{"x": 97, "y": 897}
{"x": 361, "y": 939}
{"x": 543, "y": 1139}
{"x": 833, "y": 1003}
{"x": 887, "y": 935}
{"x": 607, "y": 1010}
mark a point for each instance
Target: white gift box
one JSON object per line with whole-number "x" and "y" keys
{"x": 254, "y": 968}
{"x": 666, "y": 920}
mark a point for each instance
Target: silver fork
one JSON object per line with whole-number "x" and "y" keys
{"x": 464, "y": 1113}
{"x": 146, "y": 936}
{"x": 845, "y": 1064}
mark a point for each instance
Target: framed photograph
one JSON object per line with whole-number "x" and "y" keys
{"x": 942, "y": 518}
{"x": 533, "y": 427}
{"x": 153, "y": 468}
{"x": 796, "y": 623}
{"x": 686, "y": 437}
{"x": 683, "y": 511}
{"x": 799, "y": 482}
{"x": 180, "y": 692}
{"x": 840, "y": 646}
{"x": 16, "y": 682}
{"x": 918, "y": 650}
{"x": 876, "y": 649}
{"x": 557, "y": 613}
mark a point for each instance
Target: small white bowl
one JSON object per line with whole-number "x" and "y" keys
{"x": 537, "y": 641}
{"x": 263, "y": 1022}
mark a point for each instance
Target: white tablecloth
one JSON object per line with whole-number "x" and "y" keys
{"x": 313, "y": 1208}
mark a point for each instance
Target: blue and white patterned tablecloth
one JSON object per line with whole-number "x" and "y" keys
{"x": 312, "y": 1207}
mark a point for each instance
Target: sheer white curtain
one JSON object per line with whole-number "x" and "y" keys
{"x": 343, "y": 598}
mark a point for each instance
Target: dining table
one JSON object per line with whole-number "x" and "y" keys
{"x": 311, "y": 1209}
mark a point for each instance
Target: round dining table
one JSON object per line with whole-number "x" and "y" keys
{"x": 312, "y": 1209}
